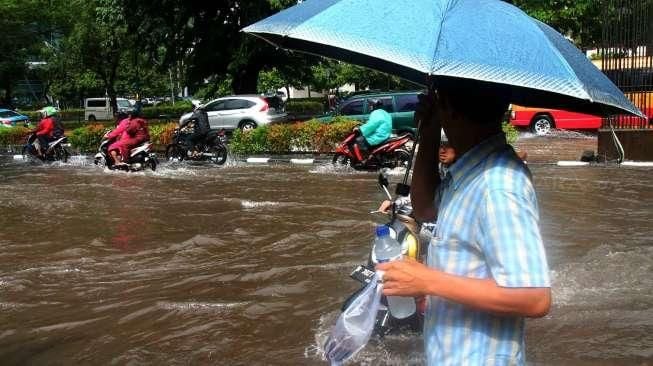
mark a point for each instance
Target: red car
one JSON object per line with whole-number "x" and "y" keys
{"x": 541, "y": 121}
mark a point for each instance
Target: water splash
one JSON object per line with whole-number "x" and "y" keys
{"x": 252, "y": 204}
{"x": 200, "y": 307}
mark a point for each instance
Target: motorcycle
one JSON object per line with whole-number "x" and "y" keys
{"x": 55, "y": 151}
{"x": 212, "y": 148}
{"x": 139, "y": 157}
{"x": 390, "y": 154}
{"x": 414, "y": 239}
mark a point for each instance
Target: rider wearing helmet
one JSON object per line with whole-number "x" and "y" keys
{"x": 378, "y": 127}
{"x": 130, "y": 133}
{"x": 48, "y": 128}
{"x": 201, "y": 127}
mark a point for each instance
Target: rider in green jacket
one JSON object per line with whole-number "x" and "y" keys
{"x": 378, "y": 127}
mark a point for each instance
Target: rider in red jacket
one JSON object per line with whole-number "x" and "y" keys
{"x": 45, "y": 130}
{"x": 131, "y": 132}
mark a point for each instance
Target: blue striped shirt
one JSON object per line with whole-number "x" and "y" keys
{"x": 487, "y": 228}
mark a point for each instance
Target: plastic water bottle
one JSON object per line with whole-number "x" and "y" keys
{"x": 387, "y": 249}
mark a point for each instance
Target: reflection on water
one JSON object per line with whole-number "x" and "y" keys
{"x": 195, "y": 264}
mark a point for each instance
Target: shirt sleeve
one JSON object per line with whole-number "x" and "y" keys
{"x": 510, "y": 238}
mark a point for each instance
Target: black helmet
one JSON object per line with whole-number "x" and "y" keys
{"x": 374, "y": 104}
{"x": 121, "y": 114}
{"x": 136, "y": 110}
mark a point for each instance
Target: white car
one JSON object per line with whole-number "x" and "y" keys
{"x": 242, "y": 111}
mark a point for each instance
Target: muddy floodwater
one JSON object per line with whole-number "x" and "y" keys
{"x": 248, "y": 265}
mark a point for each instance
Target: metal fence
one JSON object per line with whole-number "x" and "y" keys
{"x": 627, "y": 56}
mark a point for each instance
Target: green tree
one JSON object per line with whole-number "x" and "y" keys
{"x": 206, "y": 37}
{"x": 19, "y": 42}
{"x": 580, "y": 20}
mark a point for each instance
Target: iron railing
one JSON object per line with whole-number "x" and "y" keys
{"x": 627, "y": 57}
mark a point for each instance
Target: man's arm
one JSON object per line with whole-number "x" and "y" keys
{"x": 368, "y": 128}
{"x": 425, "y": 174}
{"x": 410, "y": 278}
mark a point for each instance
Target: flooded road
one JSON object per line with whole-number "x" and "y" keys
{"x": 247, "y": 265}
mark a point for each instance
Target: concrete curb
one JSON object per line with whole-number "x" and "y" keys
{"x": 638, "y": 163}
{"x": 572, "y": 163}
{"x": 285, "y": 159}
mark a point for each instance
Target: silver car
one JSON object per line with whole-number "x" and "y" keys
{"x": 243, "y": 111}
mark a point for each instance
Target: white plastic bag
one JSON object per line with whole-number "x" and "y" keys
{"x": 355, "y": 325}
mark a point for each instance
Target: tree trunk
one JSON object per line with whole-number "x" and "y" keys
{"x": 288, "y": 91}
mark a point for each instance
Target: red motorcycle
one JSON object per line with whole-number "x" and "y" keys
{"x": 392, "y": 153}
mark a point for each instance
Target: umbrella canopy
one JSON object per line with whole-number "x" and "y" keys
{"x": 466, "y": 43}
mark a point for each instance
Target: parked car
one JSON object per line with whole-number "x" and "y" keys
{"x": 100, "y": 108}
{"x": 242, "y": 111}
{"x": 9, "y": 118}
{"x": 400, "y": 105}
{"x": 540, "y": 121}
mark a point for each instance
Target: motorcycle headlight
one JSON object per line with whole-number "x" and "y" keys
{"x": 410, "y": 246}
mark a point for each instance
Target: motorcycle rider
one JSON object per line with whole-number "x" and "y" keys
{"x": 130, "y": 133}
{"x": 201, "y": 128}
{"x": 48, "y": 129}
{"x": 377, "y": 129}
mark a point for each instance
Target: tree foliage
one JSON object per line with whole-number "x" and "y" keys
{"x": 21, "y": 33}
{"x": 580, "y": 20}
{"x": 133, "y": 47}
{"x": 206, "y": 37}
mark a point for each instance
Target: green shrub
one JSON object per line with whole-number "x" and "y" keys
{"x": 304, "y": 133}
{"x": 304, "y": 107}
{"x": 301, "y": 136}
{"x": 87, "y": 138}
{"x": 321, "y": 100}
{"x": 72, "y": 115}
{"x": 171, "y": 112}
{"x": 279, "y": 138}
{"x": 249, "y": 142}
{"x": 34, "y": 116}
{"x": 511, "y": 132}
{"x": 335, "y": 133}
{"x": 161, "y": 134}
{"x": 13, "y": 135}
{"x": 65, "y": 115}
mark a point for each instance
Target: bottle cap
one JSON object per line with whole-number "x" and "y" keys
{"x": 382, "y": 230}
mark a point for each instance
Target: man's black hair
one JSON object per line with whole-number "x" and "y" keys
{"x": 479, "y": 103}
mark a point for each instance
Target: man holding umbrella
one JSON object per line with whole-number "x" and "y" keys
{"x": 486, "y": 269}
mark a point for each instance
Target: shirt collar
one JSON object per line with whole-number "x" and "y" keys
{"x": 472, "y": 158}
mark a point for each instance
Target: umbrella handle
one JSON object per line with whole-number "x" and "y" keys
{"x": 431, "y": 90}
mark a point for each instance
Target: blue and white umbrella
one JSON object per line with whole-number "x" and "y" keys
{"x": 472, "y": 43}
